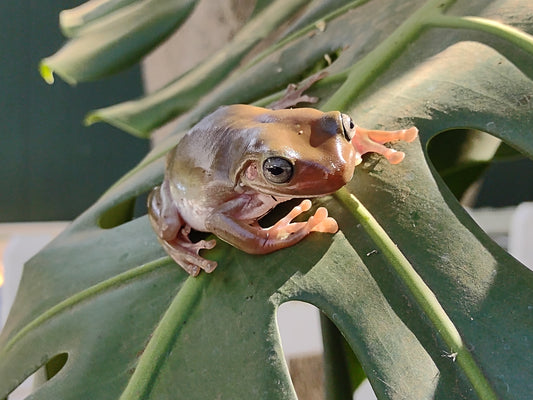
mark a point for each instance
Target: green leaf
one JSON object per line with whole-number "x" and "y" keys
{"x": 73, "y": 21}
{"x": 140, "y": 117}
{"x": 116, "y": 41}
{"x": 430, "y": 306}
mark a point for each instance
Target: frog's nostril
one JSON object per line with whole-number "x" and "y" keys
{"x": 330, "y": 124}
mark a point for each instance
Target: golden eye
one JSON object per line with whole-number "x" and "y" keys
{"x": 348, "y": 127}
{"x": 277, "y": 170}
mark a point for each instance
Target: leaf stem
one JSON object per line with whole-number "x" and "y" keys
{"x": 306, "y": 29}
{"x": 365, "y": 71}
{"x": 422, "y": 294}
{"x": 519, "y": 38}
{"x": 153, "y": 357}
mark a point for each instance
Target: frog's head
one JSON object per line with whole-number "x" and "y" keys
{"x": 297, "y": 152}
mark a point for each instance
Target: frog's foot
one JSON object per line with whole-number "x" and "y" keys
{"x": 286, "y": 233}
{"x": 186, "y": 253}
{"x": 295, "y": 93}
{"x": 368, "y": 140}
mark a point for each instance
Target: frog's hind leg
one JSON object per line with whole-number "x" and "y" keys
{"x": 173, "y": 233}
{"x": 163, "y": 214}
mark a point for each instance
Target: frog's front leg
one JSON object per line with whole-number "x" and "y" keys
{"x": 369, "y": 140}
{"x": 173, "y": 233}
{"x": 254, "y": 239}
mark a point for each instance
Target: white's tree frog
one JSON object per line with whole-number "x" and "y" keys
{"x": 239, "y": 162}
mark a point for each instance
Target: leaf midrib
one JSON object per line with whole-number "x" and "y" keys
{"x": 422, "y": 294}
{"x": 83, "y": 295}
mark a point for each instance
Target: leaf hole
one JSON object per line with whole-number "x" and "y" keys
{"x": 301, "y": 327}
{"x": 476, "y": 167}
{"x": 42, "y": 375}
{"x": 55, "y": 365}
{"x": 321, "y": 62}
{"x": 461, "y": 157}
{"x": 123, "y": 212}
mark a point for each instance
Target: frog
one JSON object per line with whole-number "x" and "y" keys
{"x": 239, "y": 162}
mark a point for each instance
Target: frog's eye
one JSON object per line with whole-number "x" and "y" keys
{"x": 348, "y": 127}
{"x": 277, "y": 170}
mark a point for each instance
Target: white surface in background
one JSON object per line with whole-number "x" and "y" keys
{"x": 299, "y": 328}
{"x": 521, "y": 234}
{"x": 24, "y": 242}
{"x": 364, "y": 392}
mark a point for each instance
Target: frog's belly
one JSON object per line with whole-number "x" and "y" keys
{"x": 194, "y": 214}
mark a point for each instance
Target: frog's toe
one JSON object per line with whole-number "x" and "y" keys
{"x": 191, "y": 269}
{"x": 185, "y": 254}
{"x": 393, "y": 156}
{"x": 209, "y": 244}
{"x": 410, "y": 134}
{"x": 193, "y": 263}
{"x": 209, "y": 266}
{"x": 321, "y": 222}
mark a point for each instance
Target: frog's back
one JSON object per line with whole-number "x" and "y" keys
{"x": 215, "y": 145}
{"x": 201, "y": 168}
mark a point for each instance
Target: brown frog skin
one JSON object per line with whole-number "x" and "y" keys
{"x": 239, "y": 162}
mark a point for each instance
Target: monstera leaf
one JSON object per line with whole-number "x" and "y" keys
{"x": 430, "y": 306}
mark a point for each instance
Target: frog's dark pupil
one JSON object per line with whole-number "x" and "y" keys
{"x": 275, "y": 170}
